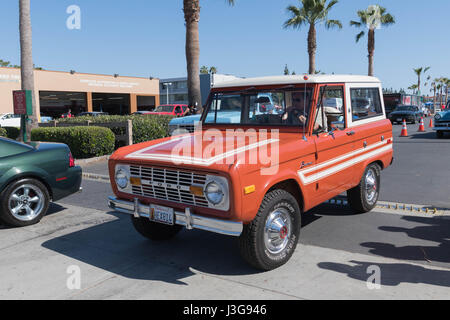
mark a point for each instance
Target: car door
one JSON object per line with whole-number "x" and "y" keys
{"x": 334, "y": 141}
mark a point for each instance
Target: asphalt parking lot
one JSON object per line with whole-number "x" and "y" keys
{"x": 337, "y": 254}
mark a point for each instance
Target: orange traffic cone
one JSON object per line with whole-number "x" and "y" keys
{"x": 404, "y": 129}
{"x": 421, "y": 126}
{"x": 431, "y": 123}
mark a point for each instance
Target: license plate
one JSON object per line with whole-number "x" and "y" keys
{"x": 161, "y": 214}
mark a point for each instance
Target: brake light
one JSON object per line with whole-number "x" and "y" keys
{"x": 71, "y": 160}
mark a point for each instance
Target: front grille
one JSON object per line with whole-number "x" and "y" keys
{"x": 170, "y": 185}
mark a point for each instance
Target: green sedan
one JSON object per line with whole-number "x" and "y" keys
{"x": 32, "y": 175}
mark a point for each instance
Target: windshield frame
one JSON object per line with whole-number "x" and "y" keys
{"x": 259, "y": 90}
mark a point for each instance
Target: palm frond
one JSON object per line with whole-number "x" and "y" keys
{"x": 333, "y": 23}
{"x": 360, "y": 35}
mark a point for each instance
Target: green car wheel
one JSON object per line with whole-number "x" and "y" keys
{"x": 24, "y": 203}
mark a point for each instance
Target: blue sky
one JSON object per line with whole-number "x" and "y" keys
{"x": 147, "y": 38}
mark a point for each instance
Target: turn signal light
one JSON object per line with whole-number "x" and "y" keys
{"x": 196, "y": 191}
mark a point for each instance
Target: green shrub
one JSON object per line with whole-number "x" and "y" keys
{"x": 84, "y": 142}
{"x": 145, "y": 127}
{"x": 3, "y": 132}
{"x": 12, "y": 132}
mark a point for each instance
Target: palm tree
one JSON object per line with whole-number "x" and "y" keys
{"x": 413, "y": 88}
{"x": 204, "y": 70}
{"x": 191, "y": 9}
{"x": 372, "y": 18}
{"x": 419, "y": 72}
{"x": 311, "y": 12}
{"x": 26, "y": 57}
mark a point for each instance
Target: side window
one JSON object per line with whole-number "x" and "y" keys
{"x": 366, "y": 103}
{"x": 331, "y": 113}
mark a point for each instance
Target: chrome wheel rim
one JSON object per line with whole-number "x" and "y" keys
{"x": 277, "y": 231}
{"x": 26, "y": 202}
{"x": 371, "y": 186}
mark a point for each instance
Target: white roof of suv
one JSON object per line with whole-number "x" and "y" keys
{"x": 274, "y": 80}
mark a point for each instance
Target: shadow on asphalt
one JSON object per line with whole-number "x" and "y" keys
{"x": 392, "y": 274}
{"x": 116, "y": 247}
{"x": 433, "y": 230}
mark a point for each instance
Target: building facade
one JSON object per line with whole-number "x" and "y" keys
{"x": 60, "y": 92}
{"x": 175, "y": 90}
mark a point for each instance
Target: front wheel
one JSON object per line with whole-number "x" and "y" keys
{"x": 24, "y": 203}
{"x": 269, "y": 241}
{"x": 364, "y": 197}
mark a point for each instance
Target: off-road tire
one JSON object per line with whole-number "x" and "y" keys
{"x": 155, "y": 231}
{"x": 357, "y": 197}
{"x": 252, "y": 243}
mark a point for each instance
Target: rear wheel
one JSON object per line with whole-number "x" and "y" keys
{"x": 269, "y": 241}
{"x": 24, "y": 203}
{"x": 364, "y": 197}
{"x": 155, "y": 231}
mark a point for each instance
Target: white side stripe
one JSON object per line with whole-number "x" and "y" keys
{"x": 335, "y": 169}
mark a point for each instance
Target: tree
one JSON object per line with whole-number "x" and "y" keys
{"x": 413, "y": 88}
{"x": 213, "y": 70}
{"x": 311, "y": 12}
{"x": 204, "y": 70}
{"x": 372, "y": 18}
{"x": 191, "y": 9}
{"x": 286, "y": 70}
{"x": 26, "y": 57}
{"x": 419, "y": 72}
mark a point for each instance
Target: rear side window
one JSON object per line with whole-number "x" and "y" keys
{"x": 366, "y": 103}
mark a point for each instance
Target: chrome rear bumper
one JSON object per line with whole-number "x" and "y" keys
{"x": 186, "y": 218}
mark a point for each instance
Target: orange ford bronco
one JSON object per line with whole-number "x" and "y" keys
{"x": 265, "y": 151}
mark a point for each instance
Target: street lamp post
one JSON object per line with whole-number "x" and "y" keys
{"x": 167, "y": 84}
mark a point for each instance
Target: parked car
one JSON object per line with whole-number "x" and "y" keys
{"x": 170, "y": 110}
{"x": 222, "y": 181}
{"x": 32, "y": 175}
{"x": 45, "y": 119}
{"x": 442, "y": 122}
{"x": 93, "y": 114}
{"x": 409, "y": 113}
{"x": 10, "y": 120}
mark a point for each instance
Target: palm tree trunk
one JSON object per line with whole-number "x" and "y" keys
{"x": 191, "y": 10}
{"x": 26, "y": 57}
{"x": 371, "y": 49}
{"x": 312, "y": 46}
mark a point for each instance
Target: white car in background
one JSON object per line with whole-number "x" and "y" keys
{"x": 9, "y": 120}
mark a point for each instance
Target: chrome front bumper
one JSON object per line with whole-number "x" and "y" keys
{"x": 186, "y": 218}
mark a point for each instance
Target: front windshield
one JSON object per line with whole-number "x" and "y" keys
{"x": 164, "y": 109}
{"x": 404, "y": 109}
{"x": 275, "y": 107}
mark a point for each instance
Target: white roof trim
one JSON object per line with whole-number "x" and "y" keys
{"x": 296, "y": 79}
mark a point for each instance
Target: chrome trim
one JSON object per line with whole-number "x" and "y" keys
{"x": 441, "y": 128}
{"x": 187, "y": 219}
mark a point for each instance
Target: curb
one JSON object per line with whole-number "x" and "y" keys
{"x": 93, "y": 176}
{"x": 401, "y": 208}
{"x": 83, "y": 162}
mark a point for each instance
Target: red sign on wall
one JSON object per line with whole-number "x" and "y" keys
{"x": 22, "y": 102}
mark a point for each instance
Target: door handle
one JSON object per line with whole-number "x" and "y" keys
{"x": 351, "y": 133}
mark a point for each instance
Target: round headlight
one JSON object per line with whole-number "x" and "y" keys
{"x": 437, "y": 117}
{"x": 214, "y": 193}
{"x": 121, "y": 179}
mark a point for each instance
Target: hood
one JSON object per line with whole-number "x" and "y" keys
{"x": 161, "y": 113}
{"x": 445, "y": 116}
{"x": 218, "y": 151}
{"x": 185, "y": 120}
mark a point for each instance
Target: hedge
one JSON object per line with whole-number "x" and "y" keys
{"x": 12, "y": 132}
{"x": 84, "y": 142}
{"x": 145, "y": 127}
{"x": 3, "y": 132}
